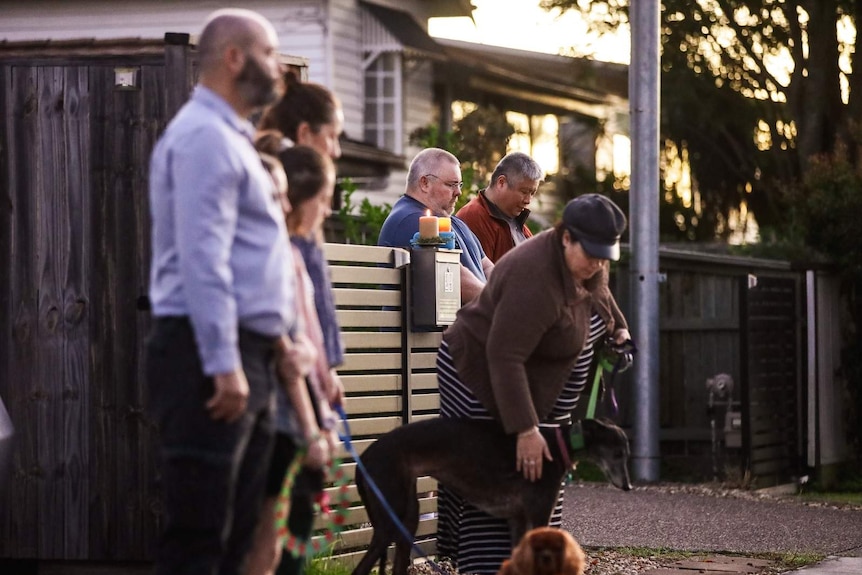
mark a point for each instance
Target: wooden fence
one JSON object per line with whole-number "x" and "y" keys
{"x": 708, "y": 327}
{"x": 389, "y": 372}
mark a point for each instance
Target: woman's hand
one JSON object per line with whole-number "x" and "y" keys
{"x": 317, "y": 452}
{"x": 334, "y": 388}
{"x": 621, "y": 336}
{"x": 332, "y": 440}
{"x": 530, "y": 454}
{"x": 295, "y": 359}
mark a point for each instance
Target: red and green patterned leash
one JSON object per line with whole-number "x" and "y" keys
{"x": 333, "y": 513}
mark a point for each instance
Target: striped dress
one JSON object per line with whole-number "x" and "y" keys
{"x": 475, "y": 541}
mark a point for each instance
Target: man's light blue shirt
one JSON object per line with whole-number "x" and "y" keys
{"x": 221, "y": 255}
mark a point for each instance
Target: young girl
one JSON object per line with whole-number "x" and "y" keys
{"x": 311, "y": 178}
{"x": 309, "y": 114}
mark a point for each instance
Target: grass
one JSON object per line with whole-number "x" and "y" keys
{"x": 327, "y": 565}
{"x": 838, "y": 497}
{"x": 588, "y": 471}
{"x": 848, "y": 490}
{"x": 788, "y": 561}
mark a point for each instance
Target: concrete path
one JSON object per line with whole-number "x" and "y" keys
{"x": 833, "y": 566}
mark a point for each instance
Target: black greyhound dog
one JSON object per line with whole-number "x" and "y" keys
{"x": 475, "y": 459}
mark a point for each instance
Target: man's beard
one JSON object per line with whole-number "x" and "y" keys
{"x": 255, "y": 86}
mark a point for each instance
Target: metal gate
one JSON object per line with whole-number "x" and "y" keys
{"x": 771, "y": 360}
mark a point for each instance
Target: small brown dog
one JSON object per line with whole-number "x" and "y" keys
{"x": 545, "y": 551}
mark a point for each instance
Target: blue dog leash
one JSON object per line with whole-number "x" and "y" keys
{"x": 348, "y": 445}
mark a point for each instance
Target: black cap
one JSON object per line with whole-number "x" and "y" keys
{"x": 597, "y": 224}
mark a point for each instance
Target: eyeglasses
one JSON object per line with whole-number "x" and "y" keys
{"x": 451, "y": 185}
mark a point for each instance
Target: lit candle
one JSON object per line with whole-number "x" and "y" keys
{"x": 445, "y": 224}
{"x": 428, "y": 225}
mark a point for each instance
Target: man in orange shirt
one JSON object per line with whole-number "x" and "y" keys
{"x": 498, "y": 214}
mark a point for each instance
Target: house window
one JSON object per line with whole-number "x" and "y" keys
{"x": 383, "y": 113}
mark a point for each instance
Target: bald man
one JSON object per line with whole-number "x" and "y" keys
{"x": 222, "y": 299}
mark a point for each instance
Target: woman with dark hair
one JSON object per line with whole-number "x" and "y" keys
{"x": 308, "y": 114}
{"x": 520, "y": 353}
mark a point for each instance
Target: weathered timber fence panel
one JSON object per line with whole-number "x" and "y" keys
{"x": 125, "y": 127}
{"x": 701, "y": 334}
{"x": 48, "y": 383}
{"x": 772, "y": 374}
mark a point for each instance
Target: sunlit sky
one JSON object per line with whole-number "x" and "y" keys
{"x": 522, "y": 24}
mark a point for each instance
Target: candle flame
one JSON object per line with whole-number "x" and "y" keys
{"x": 427, "y": 212}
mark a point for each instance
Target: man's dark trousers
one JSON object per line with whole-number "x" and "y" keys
{"x": 213, "y": 473}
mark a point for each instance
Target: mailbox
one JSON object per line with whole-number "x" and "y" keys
{"x": 435, "y": 275}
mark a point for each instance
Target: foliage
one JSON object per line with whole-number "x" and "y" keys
{"x": 752, "y": 90}
{"x": 823, "y": 214}
{"x": 823, "y": 211}
{"x": 361, "y": 223}
{"x": 482, "y": 136}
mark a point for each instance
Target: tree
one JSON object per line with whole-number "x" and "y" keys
{"x": 752, "y": 89}
{"x": 764, "y": 97}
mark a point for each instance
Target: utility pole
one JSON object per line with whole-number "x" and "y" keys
{"x": 644, "y": 85}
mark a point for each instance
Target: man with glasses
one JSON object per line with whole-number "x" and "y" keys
{"x": 498, "y": 214}
{"x": 434, "y": 185}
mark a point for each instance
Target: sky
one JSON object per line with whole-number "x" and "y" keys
{"x": 522, "y": 24}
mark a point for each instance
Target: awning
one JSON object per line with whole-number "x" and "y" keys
{"x": 397, "y": 30}
{"x": 533, "y": 82}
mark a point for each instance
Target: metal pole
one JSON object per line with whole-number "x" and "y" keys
{"x": 643, "y": 211}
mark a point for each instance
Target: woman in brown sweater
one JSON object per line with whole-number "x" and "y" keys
{"x": 520, "y": 353}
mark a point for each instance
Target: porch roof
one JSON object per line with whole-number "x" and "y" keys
{"x": 532, "y": 82}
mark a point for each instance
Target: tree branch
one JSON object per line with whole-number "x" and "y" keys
{"x": 763, "y": 73}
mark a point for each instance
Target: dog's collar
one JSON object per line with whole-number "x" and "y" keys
{"x": 576, "y": 437}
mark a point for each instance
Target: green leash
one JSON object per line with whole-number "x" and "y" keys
{"x": 576, "y": 437}
{"x": 603, "y": 365}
